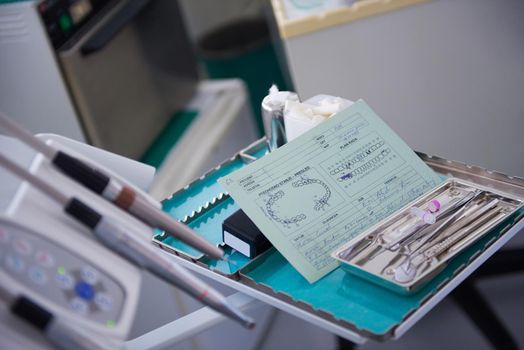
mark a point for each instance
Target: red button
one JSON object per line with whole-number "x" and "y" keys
{"x": 45, "y": 259}
{"x": 4, "y": 236}
{"x": 23, "y": 247}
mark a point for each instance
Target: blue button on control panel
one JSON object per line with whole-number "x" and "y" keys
{"x": 59, "y": 275}
{"x": 84, "y": 290}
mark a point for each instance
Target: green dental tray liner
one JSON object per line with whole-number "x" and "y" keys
{"x": 208, "y": 225}
{"x": 367, "y": 307}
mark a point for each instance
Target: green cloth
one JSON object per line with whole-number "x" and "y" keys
{"x": 168, "y": 138}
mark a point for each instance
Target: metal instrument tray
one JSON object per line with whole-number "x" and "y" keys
{"x": 388, "y": 252}
{"x": 343, "y": 304}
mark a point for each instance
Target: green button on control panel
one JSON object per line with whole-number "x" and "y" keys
{"x": 65, "y": 22}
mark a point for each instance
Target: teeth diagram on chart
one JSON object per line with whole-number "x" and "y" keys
{"x": 277, "y": 217}
{"x": 310, "y": 193}
{"x": 321, "y": 202}
{"x": 371, "y": 154}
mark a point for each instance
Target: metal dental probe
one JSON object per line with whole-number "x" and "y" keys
{"x": 473, "y": 236}
{"x": 447, "y": 243}
{"x": 467, "y": 218}
{"x": 399, "y": 241}
{"x": 408, "y": 270}
{"x": 469, "y": 198}
{"x": 456, "y": 214}
{"x": 410, "y": 253}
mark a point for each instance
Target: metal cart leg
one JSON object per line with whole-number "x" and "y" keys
{"x": 344, "y": 344}
{"x": 186, "y": 326}
{"x": 477, "y": 308}
{"x": 266, "y": 329}
{"x": 503, "y": 262}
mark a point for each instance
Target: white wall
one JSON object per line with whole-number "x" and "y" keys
{"x": 448, "y": 76}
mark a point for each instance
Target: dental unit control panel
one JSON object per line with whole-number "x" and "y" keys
{"x": 68, "y": 281}
{"x": 55, "y": 264}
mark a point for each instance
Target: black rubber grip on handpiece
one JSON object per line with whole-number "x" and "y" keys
{"x": 83, "y": 213}
{"x": 81, "y": 172}
{"x": 33, "y": 313}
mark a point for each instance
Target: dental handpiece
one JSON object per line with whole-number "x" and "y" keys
{"x": 113, "y": 190}
{"x": 130, "y": 243}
